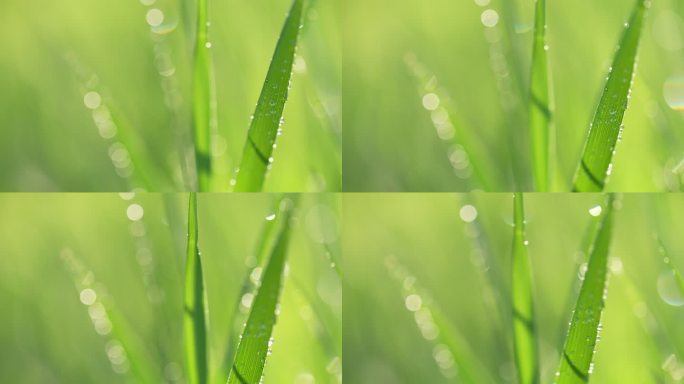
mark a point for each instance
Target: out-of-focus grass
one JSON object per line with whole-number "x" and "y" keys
{"x": 50, "y": 141}
{"x": 47, "y": 334}
{"x": 433, "y": 237}
{"x": 392, "y": 146}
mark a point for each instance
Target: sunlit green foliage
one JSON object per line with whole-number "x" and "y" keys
{"x": 101, "y": 97}
{"x": 104, "y": 285}
{"x": 486, "y": 106}
{"x": 454, "y": 252}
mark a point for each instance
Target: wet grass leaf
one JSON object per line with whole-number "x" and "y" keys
{"x": 267, "y": 118}
{"x": 604, "y": 133}
{"x": 194, "y": 316}
{"x": 203, "y": 98}
{"x": 539, "y": 102}
{"x": 524, "y": 324}
{"x": 255, "y": 342}
{"x": 263, "y": 248}
{"x": 580, "y": 342}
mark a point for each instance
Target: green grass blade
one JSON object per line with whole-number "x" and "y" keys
{"x": 539, "y": 103}
{"x": 450, "y": 128}
{"x": 255, "y": 342}
{"x": 524, "y": 325}
{"x": 194, "y": 322}
{"x": 668, "y": 261}
{"x": 604, "y": 133}
{"x": 580, "y": 343}
{"x": 110, "y": 323}
{"x": 429, "y": 317}
{"x": 263, "y": 248}
{"x": 266, "y": 121}
{"x": 203, "y": 98}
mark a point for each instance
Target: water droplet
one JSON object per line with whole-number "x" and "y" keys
{"x": 582, "y": 271}
{"x": 88, "y": 296}
{"x": 673, "y": 91}
{"x": 135, "y": 212}
{"x": 595, "y": 210}
{"x": 92, "y": 100}
{"x": 207, "y": 44}
{"x": 431, "y": 101}
{"x": 154, "y": 17}
{"x": 489, "y": 18}
{"x": 246, "y": 300}
{"x": 413, "y": 302}
{"x": 270, "y": 217}
{"x": 468, "y": 213}
{"x": 669, "y": 290}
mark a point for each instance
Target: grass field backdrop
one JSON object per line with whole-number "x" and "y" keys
{"x": 91, "y": 287}
{"x": 436, "y": 93}
{"x": 428, "y": 298}
{"x": 98, "y": 96}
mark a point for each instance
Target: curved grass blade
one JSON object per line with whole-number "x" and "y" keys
{"x": 264, "y": 246}
{"x": 133, "y": 162}
{"x": 596, "y": 163}
{"x": 109, "y": 322}
{"x": 539, "y": 103}
{"x": 430, "y": 320}
{"x": 267, "y": 119}
{"x": 668, "y": 261}
{"x": 203, "y": 98}
{"x": 524, "y": 325}
{"x": 449, "y": 126}
{"x": 255, "y": 342}
{"x": 580, "y": 343}
{"x": 194, "y": 316}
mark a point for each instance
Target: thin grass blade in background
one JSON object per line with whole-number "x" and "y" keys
{"x": 194, "y": 316}
{"x": 267, "y": 119}
{"x": 449, "y": 126}
{"x": 124, "y": 347}
{"x": 203, "y": 99}
{"x": 580, "y": 344}
{"x": 255, "y": 342}
{"x": 539, "y": 103}
{"x": 524, "y": 324}
{"x": 604, "y": 133}
{"x": 437, "y": 329}
{"x": 679, "y": 280}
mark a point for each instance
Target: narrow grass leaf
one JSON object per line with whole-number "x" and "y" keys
{"x": 668, "y": 261}
{"x": 267, "y": 118}
{"x": 539, "y": 102}
{"x": 438, "y": 330}
{"x": 203, "y": 98}
{"x": 449, "y": 126}
{"x": 264, "y": 246}
{"x": 524, "y": 325}
{"x": 606, "y": 128}
{"x": 255, "y": 342}
{"x": 194, "y": 317}
{"x": 122, "y": 342}
{"x": 580, "y": 343}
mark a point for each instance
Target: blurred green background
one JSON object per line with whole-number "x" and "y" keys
{"x": 481, "y": 76}
{"x": 456, "y": 250}
{"x": 52, "y": 244}
{"x": 73, "y": 69}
